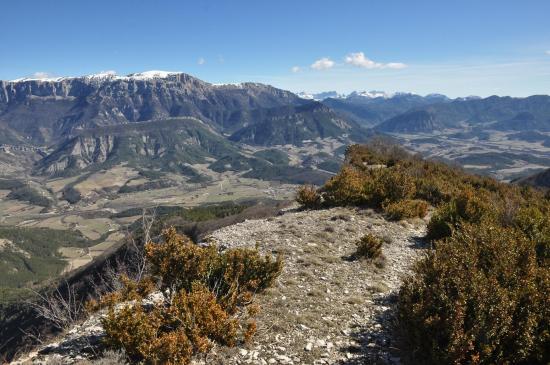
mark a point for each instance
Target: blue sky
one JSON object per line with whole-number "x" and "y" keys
{"x": 459, "y": 48}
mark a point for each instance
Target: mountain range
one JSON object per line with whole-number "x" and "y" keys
{"x": 156, "y": 119}
{"x": 163, "y": 119}
{"x": 407, "y": 112}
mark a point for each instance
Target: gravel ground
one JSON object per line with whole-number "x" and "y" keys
{"x": 327, "y": 308}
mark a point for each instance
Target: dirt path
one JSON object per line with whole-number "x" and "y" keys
{"x": 326, "y": 308}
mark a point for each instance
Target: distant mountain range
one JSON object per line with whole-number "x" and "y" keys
{"x": 164, "y": 119}
{"x": 407, "y": 112}
{"x": 156, "y": 118}
{"x": 492, "y": 113}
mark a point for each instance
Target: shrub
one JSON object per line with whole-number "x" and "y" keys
{"x": 308, "y": 197}
{"x": 370, "y": 247}
{"x": 535, "y": 224}
{"x": 435, "y": 191}
{"x": 171, "y": 335}
{"x": 479, "y": 298}
{"x": 468, "y": 206}
{"x": 206, "y": 293}
{"x": 410, "y": 208}
{"x": 391, "y": 185}
{"x": 346, "y": 188}
{"x": 179, "y": 263}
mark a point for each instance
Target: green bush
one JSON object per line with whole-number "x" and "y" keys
{"x": 480, "y": 298}
{"x": 468, "y": 206}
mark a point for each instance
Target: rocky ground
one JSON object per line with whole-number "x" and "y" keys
{"x": 327, "y": 307}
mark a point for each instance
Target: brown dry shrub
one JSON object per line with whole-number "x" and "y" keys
{"x": 179, "y": 263}
{"x": 409, "y": 208}
{"x": 369, "y": 247}
{"x": 207, "y": 293}
{"x": 131, "y": 290}
{"x": 346, "y": 188}
{"x": 171, "y": 335}
{"x": 308, "y": 197}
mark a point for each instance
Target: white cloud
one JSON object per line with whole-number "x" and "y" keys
{"x": 547, "y": 52}
{"x": 201, "y": 61}
{"x": 296, "y": 69}
{"x": 322, "y": 64}
{"x": 360, "y": 60}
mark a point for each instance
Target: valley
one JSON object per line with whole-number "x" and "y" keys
{"x": 498, "y": 154}
{"x": 77, "y": 153}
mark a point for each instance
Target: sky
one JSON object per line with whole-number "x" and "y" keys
{"x": 454, "y": 47}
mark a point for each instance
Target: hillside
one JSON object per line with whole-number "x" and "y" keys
{"x": 297, "y": 124}
{"x": 324, "y": 306}
{"x": 373, "y": 108}
{"x": 165, "y": 144}
{"x": 395, "y": 259}
{"x": 539, "y": 180}
{"x": 501, "y": 113}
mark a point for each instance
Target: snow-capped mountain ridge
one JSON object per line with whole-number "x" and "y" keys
{"x": 373, "y": 94}
{"x": 104, "y": 75}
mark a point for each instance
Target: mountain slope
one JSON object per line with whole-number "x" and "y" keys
{"x": 538, "y": 180}
{"x": 156, "y": 120}
{"x": 373, "y": 108}
{"x": 311, "y": 316}
{"x": 166, "y": 144}
{"x": 500, "y": 113}
{"x": 411, "y": 122}
{"x": 293, "y": 125}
